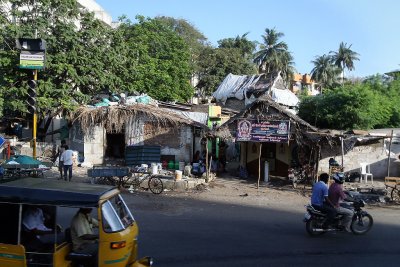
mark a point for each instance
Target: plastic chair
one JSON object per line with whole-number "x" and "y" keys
{"x": 365, "y": 172}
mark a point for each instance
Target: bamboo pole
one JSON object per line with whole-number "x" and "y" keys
{"x": 390, "y": 144}
{"x": 259, "y": 166}
{"x": 207, "y": 171}
{"x": 341, "y": 139}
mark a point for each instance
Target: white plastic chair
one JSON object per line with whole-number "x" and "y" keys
{"x": 365, "y": 172}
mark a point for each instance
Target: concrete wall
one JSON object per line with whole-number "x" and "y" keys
{"x": 374, "y": 154}
{"x": 94, "y": 145}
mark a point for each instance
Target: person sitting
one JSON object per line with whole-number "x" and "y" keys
{"x": 37, "y": 234}
{"x": 336, "y": 195}
{"x": 83, "y": 238}
{"x": 196, "y": 157}
{"x": 320, "y": 200}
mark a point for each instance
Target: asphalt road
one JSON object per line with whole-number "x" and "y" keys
{"x": 182, "y": 231}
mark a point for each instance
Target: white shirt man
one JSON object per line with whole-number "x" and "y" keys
{"x": 67, "y": 158}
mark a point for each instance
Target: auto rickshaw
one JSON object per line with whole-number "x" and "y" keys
{"x": 59, "y": 200}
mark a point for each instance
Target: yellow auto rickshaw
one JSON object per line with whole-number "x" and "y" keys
{"x": 58, "y": 202}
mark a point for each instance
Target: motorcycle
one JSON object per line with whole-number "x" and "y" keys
{"x": 362, "y": 221}
{"x": 298, "y": 175}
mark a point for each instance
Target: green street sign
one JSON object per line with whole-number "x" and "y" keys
{"x": 31, "y": 60}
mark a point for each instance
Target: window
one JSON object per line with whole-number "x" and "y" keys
{"x": 116, "y": 215}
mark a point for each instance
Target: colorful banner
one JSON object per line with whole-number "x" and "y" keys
{"x": 263, "y": 131}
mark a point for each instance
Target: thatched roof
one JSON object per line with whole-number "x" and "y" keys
{"x": 115, "y": 117}
{"x": 260, "y": 108}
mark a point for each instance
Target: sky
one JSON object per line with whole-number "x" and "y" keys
{"x": 311, "y": 27}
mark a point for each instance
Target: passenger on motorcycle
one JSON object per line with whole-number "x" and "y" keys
{"x": 336, "y": 195}
{"x": 320, "y": 200}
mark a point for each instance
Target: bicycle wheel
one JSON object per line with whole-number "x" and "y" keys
{"x": 155, "y": 185}
{"x": 395, "y": 195}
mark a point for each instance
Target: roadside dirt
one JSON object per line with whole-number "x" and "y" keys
{"x": 224, "y": 189}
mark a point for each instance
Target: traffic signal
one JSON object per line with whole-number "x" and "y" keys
{"x": 31, "y": 96}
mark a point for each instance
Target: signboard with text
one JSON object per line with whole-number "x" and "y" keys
{"x": 31, "y": 60}
{"x": 263, "y": 131}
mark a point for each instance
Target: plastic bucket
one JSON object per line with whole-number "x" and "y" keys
{"x": 181, "y": 165}
{"x": 178, "y": 175}
{"x": 154, "y": 169}
{"x": 170, "y": 165}
{"x": 196, "y": 167}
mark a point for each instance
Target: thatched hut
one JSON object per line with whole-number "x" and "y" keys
{"x": 271, "y": 138}
{"x": 103, "y": 133}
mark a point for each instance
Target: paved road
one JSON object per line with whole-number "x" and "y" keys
{"x": 181, "y": 231}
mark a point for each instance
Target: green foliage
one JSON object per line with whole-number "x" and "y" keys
{"x": 359, "y": 106}
{"x": 195, "y": 40}
{"x": 274, "y": 55}
{"x": 76, "y": 56}
{"x": 324, "y": 72}
{"x": 232, "y": 56}
{"x": 85, "y": 57}
{"x": 162, "y": 60}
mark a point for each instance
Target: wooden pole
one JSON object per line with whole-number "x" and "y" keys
{"x": 207, "y": 172}
{"x": 317, "y": 163}
{"x": 259, "y": 166}
{"x": 390, "y": 144}
{"x": 341, "y": 138}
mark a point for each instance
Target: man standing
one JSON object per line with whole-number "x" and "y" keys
{"x": 60, "y": 150}
{"x": 67, "y": 158}
{"x": 320, "y": 200}
{"x": 83, "y": 238}
{"x": 336, "y": 195}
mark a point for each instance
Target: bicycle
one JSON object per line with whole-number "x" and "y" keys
{"x": 135, "y": 180}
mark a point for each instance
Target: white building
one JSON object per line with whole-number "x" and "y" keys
{"x": 99, "y": 12}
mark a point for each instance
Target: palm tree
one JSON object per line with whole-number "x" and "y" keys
{"x": 344, "y": 58}
{"x": 324, "y": 72}
{"x": 273, "y": 54}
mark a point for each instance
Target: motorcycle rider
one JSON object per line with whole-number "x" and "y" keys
{"x": 336, "y": 195}
{"x": 320, "y": 200}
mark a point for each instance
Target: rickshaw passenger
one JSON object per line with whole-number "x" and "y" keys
{"x": 38, "y": 234}
{"x": 83, "y": 238}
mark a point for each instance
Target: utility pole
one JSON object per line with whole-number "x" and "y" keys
{"x": 32, "y": 57}
{"x": 34, "y": 131}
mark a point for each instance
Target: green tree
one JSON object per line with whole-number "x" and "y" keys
{"x": 357, "y": 106}
{"x": 195, "y": 40}
{"x": 79, "y": 60}
{"x": 239, "y": 42}
{"x": 344, "y": 58}
{"x": 324, "y": 72}
{"x": 163, "y": 60}
{"x": 232, "y": 56}
{"x": 273, "y": 55}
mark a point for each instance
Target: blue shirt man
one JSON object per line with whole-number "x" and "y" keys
{"x": 320, "y": 200}
{"x": 319, "y": 194}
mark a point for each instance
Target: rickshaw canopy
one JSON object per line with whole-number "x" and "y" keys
{"x": 52, "y": 192}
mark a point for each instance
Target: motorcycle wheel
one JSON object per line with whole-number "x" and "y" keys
{"x": 363, "y": 225}
{"x": 395, "y": 195}
{"x": 311, "y": 225}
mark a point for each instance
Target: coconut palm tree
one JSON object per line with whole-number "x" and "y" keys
{"x": 324, "y": 72}
{"x": 344, "y": 58}
{"x": 273, "y": 54}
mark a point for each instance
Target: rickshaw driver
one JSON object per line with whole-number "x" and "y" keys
{"x": 83, "y": 238}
